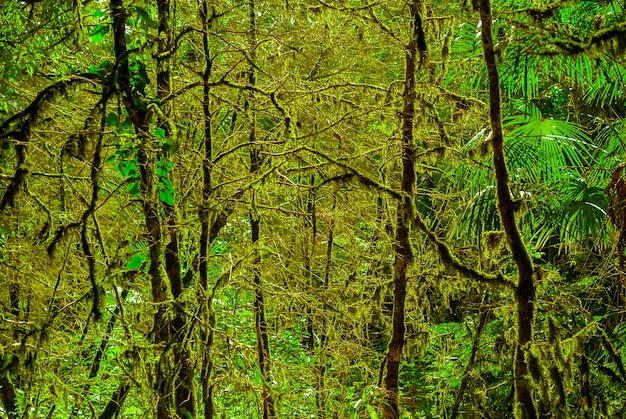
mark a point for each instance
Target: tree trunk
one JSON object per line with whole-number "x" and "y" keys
{"x": 260, "y": 324}
{"x": 183, "y": 382}
{"x": 8, "y": 397}
{"x": 470, "y": 364}
{"x": 206, "y": 333}
{"x": 525, "y": 293}
{"x": 114, "y": 406}
{"x": 402, "y": 244}
{"x": 95, "y": 364}
{"x": 139, "y": 117}
{"x": 317, "y": 322}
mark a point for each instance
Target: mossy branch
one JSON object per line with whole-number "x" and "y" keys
{"x": 28, "y": 116}
{"x": 574, "y": 46}
{"x": 450, "y": 259}
{"x": 18, "y": 126}
{"x": 615, "y": 356}
{"x": 362, "y": 179}
{"x": 445, "y": 252}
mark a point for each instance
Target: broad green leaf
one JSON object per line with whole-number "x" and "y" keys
{"x": 144, "y": 17}
{"x": 159, "y": 133}
{"x": 139, "y": 78}
{"x": 166, "y": 197}
{"x": 170, "y": 146}
{"x": 166, "y": 184}
{"x": 134, "y": 189}
{"x": 128, "y": 168}
{"x": 167, "y": 165}
{"x": 97, "y": 35}
{"x": 136, "y": 261}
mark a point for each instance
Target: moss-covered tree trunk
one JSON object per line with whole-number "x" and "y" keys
{"x": 316, "y": 321}
{"x": 321, "y": 393}
{"x": 260, "y": 324}
{"x": 525, "y": 293}
{"x": 183, "y": 381}
{"x": 8, "y": 397}
{"x": 207, "y": 331}
{"x": 402, "y": 245}
{"x": 170, "y": 381}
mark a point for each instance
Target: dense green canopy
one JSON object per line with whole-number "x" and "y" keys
{"x": 314, "y": 209}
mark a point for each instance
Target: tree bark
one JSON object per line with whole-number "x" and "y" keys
{"x": 402, "y": 245}
{"x": 206, "y": 333}
{"x": 525, "y": 292}
{"x": 184, "y": 393}
{"x": 115, "y": 404}
{"x": 263, "y": 350}
{"x": 8, "y": 396}
{"x": 139, "y": 118}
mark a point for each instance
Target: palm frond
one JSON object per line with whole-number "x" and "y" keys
{"x": 480, "y": 214}
{"x": 610, "y": 145}
{"x": 519, "y": 75}
{"x": 541, "y": 148}
{"x": 609, "y": 84}
{"x": 584, "y": 211}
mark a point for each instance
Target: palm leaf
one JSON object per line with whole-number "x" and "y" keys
{"x": 608, "y": 85}
{"x": 542, "y": 148}
{"x": 610, "y": 148}
{"x": 584, "y": 211}
{"x": 480, "y": 214}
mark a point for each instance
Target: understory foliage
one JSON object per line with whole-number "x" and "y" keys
{"x": 290, "y": 209}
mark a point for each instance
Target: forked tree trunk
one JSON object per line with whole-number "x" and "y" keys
{"x": 168, "y": 382}
{"x": 153, "y": 236}
{"x": 316, "y": 325}
{"x": 321, "y": 394}
{"x": 525, "y": 292}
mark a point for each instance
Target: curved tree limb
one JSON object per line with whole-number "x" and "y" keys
{"x": 525, "y": 291}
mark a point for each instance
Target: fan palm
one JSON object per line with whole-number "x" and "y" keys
{"x": 551, "y": 163}
{"x": 559, "y": 168}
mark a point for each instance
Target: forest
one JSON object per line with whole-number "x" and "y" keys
{"x": 312, "y": 209}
